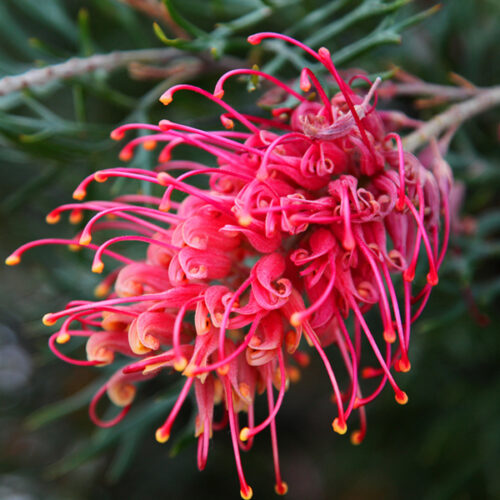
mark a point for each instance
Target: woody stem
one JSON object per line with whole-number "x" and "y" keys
{"x": 454, "y": 116}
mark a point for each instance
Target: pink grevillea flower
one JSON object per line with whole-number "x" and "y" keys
{"x": 313, "y": 217}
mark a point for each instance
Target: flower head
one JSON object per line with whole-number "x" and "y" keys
{"x": 313, "y": 216}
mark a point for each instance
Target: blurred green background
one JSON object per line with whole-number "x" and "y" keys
{"x": 444, "y": 444}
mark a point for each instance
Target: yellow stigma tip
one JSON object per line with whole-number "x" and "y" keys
{"x": 281, "y": 489}
{"x": 244, "y": 434}
{"x": 74, "y": 247}
{"x": 79, "y": 194}
{"x": 180, "y": 364}
{"x": 85, "y": 239}
{"x": 339, "y": 427}
{"x": 161, "y": 437}
{"x": 47, "y": 320}
{"x": 52, "y": 219}
{"x": 248, "y": 495}
{"x": 189, "y": 371}
{"x": 295, "y": 320}
{"x": 97, "y": 267}
{"x": 402, "y": 398}
{"x": 245, "y": 220}
{"x": 12, "y": 260}
{"x": 166, "y": 99}
{"x": 62, "y": 338}
{"x": 101, "y": 290}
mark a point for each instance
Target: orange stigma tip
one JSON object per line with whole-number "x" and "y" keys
{"x": 125, "y": 155}
{"x": 401, "y": 398}
{"x": 117, "y": 135}
{"x": 390, "y": 336}
{"x": 248, "y": 494}
{"x": 47, "y": 320}
{"x": 85, "y": 239}
{"x": 356, "y": 438}
{"x": 180, "y": 364}
{"x": 62, "y": 338}
{"x": 97, "y": 267}
{"x": 166, "y": 99}
{"x": 75, "y": 217}
{"x": 404, "y": 365}
{"x": 79, "y": 194}
{"x": 245, "y": 220}
{"x": 100, "y": 177}
{"x": 160, "y": 436}
{"x": 281, "y": 488}
{"x": 244, "y": 434}
{"x": 52, "y": 218}
{"x": 164, "y": 208}
{"x": 74, "y": 247}
{"x": 149, "y": 145}
{"x": 295, "y": 319}
{"x": 101, "y": 290}
{"x": 219, "y": 94}
{"x": 12, "y": 260}
{"x": 339, "y": 427}
{"x": 223, "y": 370}
{"x": 293, "y": 374}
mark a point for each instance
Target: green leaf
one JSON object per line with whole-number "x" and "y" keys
{"x": 143, "y": 417}
{"x": 55, "y": 411}
{"x": 181, "y": 21}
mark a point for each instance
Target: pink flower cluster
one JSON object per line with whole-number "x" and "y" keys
{"x": 312, "y": 218}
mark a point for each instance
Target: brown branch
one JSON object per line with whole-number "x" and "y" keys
{"x": 82, "y": 65}
{"x": 447, "y": 92}
{"x": 140, "y": 71}
{"x": 453, "y": 117}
